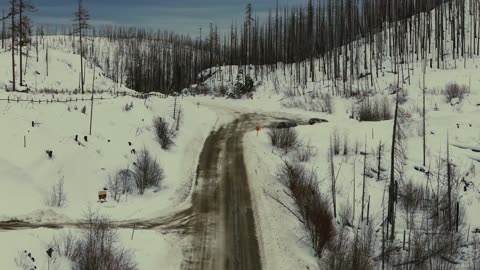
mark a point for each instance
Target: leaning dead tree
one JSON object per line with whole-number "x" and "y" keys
{"x": 397, "y": 160}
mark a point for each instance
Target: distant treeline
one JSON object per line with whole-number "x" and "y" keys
{"x": 404, "y": 30}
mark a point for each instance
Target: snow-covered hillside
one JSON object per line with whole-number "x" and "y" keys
{"x": 290, "y": 89}
{"x": 61, "y": 73}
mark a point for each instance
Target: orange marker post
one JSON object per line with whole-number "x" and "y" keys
{"x": 258, "y": 130}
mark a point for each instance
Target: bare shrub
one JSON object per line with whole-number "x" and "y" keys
{"x": 202, "y": 89}
{"x": 346, "y": 253}
{"x": 414, "y": 195}
{"x": 318, "y": 220}
{"x": 165, "y": 132}
{"x": 285, "y": 138}
{"x": 96, "y": 247}
{"x": 346, "y": 144}
{"x": 147, "y": 173}
{"x": 57, "y": 196}
{"x": 312, "y": 205}
{"x": 345, "y": 213}
{"x": 314, "y": 103}
{"x": 121, "y": 183}
{"x": 128, "y": 106}
{"x": 67, "y": 245}
{"x": 328, "y": 103}
{"x": 376, "y": 110}
{"x": 304, "y": 153}
{"x": 336, "y": 141}
{"x": 362, "y": 248}
{"x": 221, "y": 90}
{"x": 431, "y": 251}
{"x": 114, "y": 186}
{"x": 454, "y": 90}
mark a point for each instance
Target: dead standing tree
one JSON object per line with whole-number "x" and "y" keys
{"x": 3, "y": 29}
{"x": 13, "y": 14}
{"x": 80, "y": 25}
{"x": 398, "y": 156}
{"x": 449, "y": 186}
{"x": 332, "y": 175}
{"x": 24, "y": 29}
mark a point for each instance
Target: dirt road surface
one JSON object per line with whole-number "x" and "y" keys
{"x": 224, "y": 226}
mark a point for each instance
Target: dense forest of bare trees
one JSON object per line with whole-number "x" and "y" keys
{"x": 340, "y": 39}
{"x": 350, "y": 38}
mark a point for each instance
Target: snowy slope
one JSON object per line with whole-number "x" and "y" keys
{"x": 282, "y": 236}
{"x": 63, "y": 72}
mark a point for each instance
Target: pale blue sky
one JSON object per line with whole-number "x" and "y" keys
{"x": 182, "y": 16}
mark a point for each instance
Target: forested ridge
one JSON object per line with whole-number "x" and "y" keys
{"x": 372, "y": 30}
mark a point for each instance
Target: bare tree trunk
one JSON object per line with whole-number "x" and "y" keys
{"x": 354, "y": 165}
{"x": 82, "y": 80}
{"x": 364, "y": 176}
{"x": 91, "y": 105}
{"x": 12, "y": 14}
{"x": 391, "y": 189}
{"x": 20, "y": 40}
{"x": 46, "y": 58}
{"x": 3, "y": 29}
{"x": 449, "y": 186}
{"x": 424, "y": 115}
{"x": 332, "y": 172}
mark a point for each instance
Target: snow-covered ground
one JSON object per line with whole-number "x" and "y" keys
{"x": 85, "y": 167}
{"x": 151, "y": 249}
{"x": 27, "y": 174}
